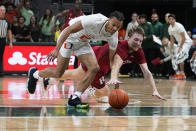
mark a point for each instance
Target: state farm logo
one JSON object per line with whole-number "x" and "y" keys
{"x": 17, "y": 58}
{"x": 34, "y": 58}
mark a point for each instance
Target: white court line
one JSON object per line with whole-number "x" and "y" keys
{"x": 35, "y": 117}
{"x": 95, "y": 106}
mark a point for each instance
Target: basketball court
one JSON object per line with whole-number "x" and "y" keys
{"x": 47, "y": 111}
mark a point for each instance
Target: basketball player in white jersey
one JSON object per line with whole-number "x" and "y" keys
{"x": 75, "y": 38}
{"x": 180, "y": 54}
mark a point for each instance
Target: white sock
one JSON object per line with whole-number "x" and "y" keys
{"x": 177, "y": 72}
{"x": 181, "y": 72}
{"x": 36, "y": 74}
{"x": 77, "y": 94}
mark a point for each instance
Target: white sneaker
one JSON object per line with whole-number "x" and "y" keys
{"x": 46, "y": 82}
{"x": 103, "y": 99}
{"x": 91, "y": 92}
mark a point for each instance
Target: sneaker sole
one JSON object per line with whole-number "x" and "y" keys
{"x": 78, "y": 106}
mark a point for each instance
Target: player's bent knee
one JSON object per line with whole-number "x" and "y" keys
{"x": 94, "y": 69}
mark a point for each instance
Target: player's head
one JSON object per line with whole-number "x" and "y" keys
{"x": 172, "y": 19}
{"x": 115, "y": 22}
{"x": 165, "y": 41}
{"x": 135, "y": 38}
{"x": 78, "y": 4}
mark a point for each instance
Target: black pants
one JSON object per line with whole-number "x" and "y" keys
{"x": 2, "y": 48}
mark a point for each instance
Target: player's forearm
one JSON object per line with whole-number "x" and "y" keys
{"x": 182, "y": 43}
{"x": 116, "y": 66}
{"x": 63, "y": 36}
{"x": 111, "y": 56}
{"x": 148, "y": 76}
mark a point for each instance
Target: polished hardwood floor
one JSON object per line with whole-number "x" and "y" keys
{"x": 47, "y": 111}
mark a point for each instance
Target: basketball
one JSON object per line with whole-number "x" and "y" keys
{"x": 118, "y": 98}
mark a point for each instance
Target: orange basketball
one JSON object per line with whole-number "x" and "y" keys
{"x": 118, "y": 99}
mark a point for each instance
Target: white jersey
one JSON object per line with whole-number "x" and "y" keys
{"x": 176, "y": 30}
{"x": 93, "y": 29}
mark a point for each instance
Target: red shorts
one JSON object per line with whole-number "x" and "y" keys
{"x": 99, "y": 80}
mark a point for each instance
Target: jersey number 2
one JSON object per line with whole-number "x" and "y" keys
{"x": 84, "y": 37}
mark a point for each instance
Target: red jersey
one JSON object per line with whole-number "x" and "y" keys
{"x": 102, "y": 55}
{"x": 71, "y": 16}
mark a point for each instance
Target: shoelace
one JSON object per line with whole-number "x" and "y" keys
{"x": 91, "y": 92}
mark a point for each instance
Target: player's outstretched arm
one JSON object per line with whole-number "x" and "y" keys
{"x": 63, "y": 36}
{"x": 115, "y": 70}
{"x": 148, "y": 76}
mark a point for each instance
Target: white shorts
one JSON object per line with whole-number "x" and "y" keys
{"x": 178, "y": 58}
{"x": 67, "y": 49}
{"x": 193, "y": 65}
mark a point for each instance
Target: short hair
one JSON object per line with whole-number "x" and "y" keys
{"x": 119, "y": 15}
{"x": 136, "y": 29}
{"x": 172, "y": 15}
{"x": 143, "y": 16}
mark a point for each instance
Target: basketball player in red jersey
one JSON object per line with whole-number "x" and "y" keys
{"x": 127, "y": 51}
{"x": 70, "y": 14}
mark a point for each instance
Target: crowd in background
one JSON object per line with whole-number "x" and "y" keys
{"x": 26, "y": 27}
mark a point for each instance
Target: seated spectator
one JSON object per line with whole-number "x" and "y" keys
{"x": 193, "y": 62}
{"x": 121, "y": 33}
{"x": 14, "y": 27}
{"x": 24, "y": 10}
{"x": 34, "y": 29}
{"x": 166, "y": 66}
{"x": 46, "y": 23}
{"x": 11, "y": 12}
{"x": 58, "y": 32}
{"x": 22, "y": 32}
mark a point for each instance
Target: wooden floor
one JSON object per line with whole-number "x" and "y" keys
{"x": 47, "y": 111}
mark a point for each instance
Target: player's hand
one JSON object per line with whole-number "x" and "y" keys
{"x": 52, "y": 55}
{"x": 158, "y": 96}
{"x": 113, "y": 82}
{"x": 161, "y": 61}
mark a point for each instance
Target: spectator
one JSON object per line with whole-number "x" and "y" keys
{"x": 133, "y": 22}
{"x": 164, "y": 30}
{"x": 4, "y": 31}
{"x": 76, "y": 11}
{"x": 166, "y": 66}
{"x": 11, "y": 12}
{"x": 147, "y": 43}
{"x": 46, "y": 23}
{"x": 155, "y": 48}
{"x": 58, "y": 32}
{"x": 14, "y": 27}
{"x": 22, "y": 32}
{"x": 34, "y": 29}
{"x": 24, "y": 10}
{"x": 121, "y": 33}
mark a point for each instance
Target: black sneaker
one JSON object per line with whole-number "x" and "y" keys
{"x": 77, "y": 103}
{"x": 31, "y": 82}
